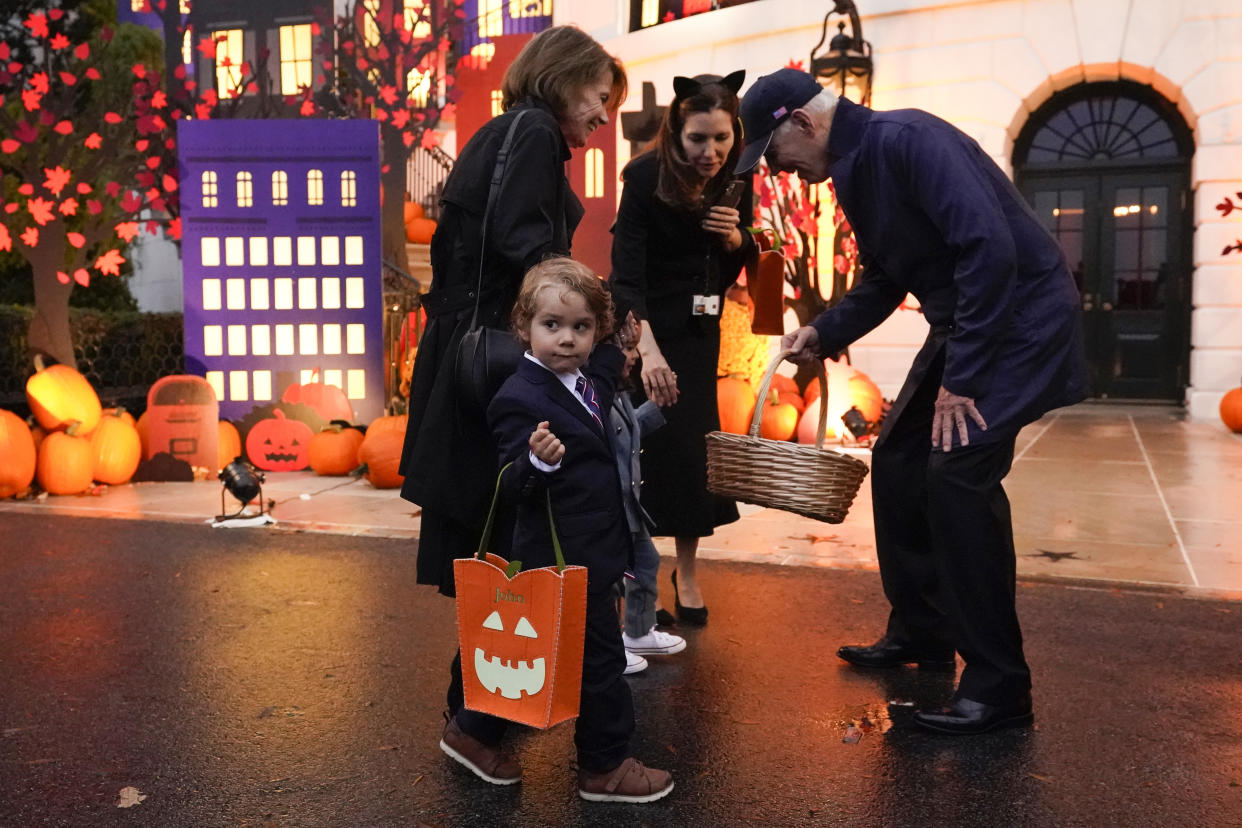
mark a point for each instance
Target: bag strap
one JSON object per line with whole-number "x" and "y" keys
{"x": 485, "y": 540}
{"x": 498, "y": 174}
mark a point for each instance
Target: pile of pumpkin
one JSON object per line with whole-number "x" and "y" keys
{"x": 791, "y": 414}
{"x": 418, "y": 228}
{"x": 340, "y": 448}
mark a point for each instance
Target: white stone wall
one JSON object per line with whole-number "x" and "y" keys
{"x": 985, "y": 66}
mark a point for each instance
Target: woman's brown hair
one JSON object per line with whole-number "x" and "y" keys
{"x": 678, "y": 179}
{"x": 564, "y": 273}
{"x": 555, "y": 63}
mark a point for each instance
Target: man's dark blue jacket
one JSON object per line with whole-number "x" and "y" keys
{"x": 934, "y": 216}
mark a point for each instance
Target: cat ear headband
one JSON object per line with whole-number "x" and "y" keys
{"x": 685, "y": 87}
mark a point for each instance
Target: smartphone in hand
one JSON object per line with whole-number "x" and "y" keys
{"x": 732, "y": 194}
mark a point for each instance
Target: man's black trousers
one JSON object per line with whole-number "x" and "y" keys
{"x": 944, "y": 538}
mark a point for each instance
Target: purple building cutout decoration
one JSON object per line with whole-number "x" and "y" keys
{"x": 281, "y": 259}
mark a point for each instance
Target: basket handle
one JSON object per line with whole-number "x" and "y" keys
{"x": 757, "y": 418}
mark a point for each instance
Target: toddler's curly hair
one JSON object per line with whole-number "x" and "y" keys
{"x": 564, "y": 273}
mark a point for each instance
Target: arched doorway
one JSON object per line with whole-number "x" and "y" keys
{"x": 1106, "y": 166}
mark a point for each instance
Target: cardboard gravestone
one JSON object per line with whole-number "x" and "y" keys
{"x": 182, "y": 415}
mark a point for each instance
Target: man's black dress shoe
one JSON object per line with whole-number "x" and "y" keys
{"x": 965, "y": 716}
{"x": 889, "y": 653}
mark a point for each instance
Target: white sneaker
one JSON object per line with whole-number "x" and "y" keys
{"x": 634, "y": 663}
{"x": 654, "y": 643}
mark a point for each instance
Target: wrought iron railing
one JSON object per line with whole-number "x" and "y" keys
{"x": 425, "y": 173}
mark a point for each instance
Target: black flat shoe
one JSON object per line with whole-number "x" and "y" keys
{"x": 694, "y": 616}
{"x": 967, "y": 717}
{"x": 889, "y": 653}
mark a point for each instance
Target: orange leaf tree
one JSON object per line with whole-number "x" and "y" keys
{"x": 69, "y": 165}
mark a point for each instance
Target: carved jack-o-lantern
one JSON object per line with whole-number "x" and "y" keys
{"x": 279, "y": 443}
{"x": 521, "y": 639}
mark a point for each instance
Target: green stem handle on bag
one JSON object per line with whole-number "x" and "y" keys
{"x": 485, "y": 540}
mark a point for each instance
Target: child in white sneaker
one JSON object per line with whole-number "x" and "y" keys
{"x": 640, "y": 637}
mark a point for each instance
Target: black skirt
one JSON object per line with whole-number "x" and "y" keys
{"x": 674, "y": 459}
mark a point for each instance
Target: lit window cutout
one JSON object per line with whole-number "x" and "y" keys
{"x": 282, "y": 294}
{"x": 259, "y": 297}
{"x": 349, "y": 190}
{"x": 314, "y": 187}
{"x": 418, "y": 85}
{"x": 261, "y": 340}
{"x": 491, "y": 18}
{"x": 353, "y": 250}
{"x": 330, "y": 293}
{"x": 237, "y": 340}
{"x": 353, "y": 292}
{"x": 211, "y": 189}
{"x": 331, "y": 341}
{"x": 258, "y": 251}
{"x": 370, "y": 22}
{"x": 334, "y": 376}
{"x": 330, "y": 251}
{"x": 306, "y": 250}
{"x": 284, "y": 340}
{"x": 213, "y": 340}
{"x": 280, "y": 188}
{"x": 261, "y": 385}
{"x": 187, "y": 45}
{"x": 306, "y": 293}
{"x": 307, "y": 376}
{"x": 239, "y": 386}
{"x": 418, "y": 27}
{"x": 295, "y": 58}
{"x": 245, "y": 189}
{"x": 216, "y": 380}
{"x": 229, "y": 60}
{"x": 355, "y": 339}
{"x": 308, "y": 339}
{"x": 234, "y": 251}
{"x": 650, "y": 13}
{"x": 209, "y": 251}
{"x": 211, "y": 294}
{"x": 356, "y": 384}
{"x": 498, "y": 102}
{"x": 529, "y": 8}
{"x": 282, "y": 251}
{"x": 594, "y": 173}
{"x": 235, "y": 294}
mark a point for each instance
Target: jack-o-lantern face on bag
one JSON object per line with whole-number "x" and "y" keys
{"x": 499, "y": 673}
{"x": 521, "y": 639}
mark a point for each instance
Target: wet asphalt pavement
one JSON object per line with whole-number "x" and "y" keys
{"x": 268, "y": 678}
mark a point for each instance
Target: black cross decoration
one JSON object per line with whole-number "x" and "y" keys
{"x": 640, "y": 127}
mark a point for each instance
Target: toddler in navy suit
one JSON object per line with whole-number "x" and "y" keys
{"x": 549, "y": 420}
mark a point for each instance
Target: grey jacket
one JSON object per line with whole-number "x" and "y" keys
{"x": 629, "y": 424}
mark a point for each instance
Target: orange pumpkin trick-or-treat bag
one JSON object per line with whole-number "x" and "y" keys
{"x": 521, "y": 633}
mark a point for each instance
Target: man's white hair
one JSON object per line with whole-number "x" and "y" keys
{"x": 819, "y": 107}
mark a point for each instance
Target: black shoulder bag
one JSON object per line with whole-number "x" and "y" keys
{"x": 486, "y": 357}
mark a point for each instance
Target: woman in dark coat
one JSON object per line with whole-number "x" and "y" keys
{"x": 678, "y": 244}
{"x": 569, "y": 85}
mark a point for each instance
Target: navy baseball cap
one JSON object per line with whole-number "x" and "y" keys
{"x": 766, "y": 105}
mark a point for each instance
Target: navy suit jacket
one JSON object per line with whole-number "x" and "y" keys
{"x": 585, "y": 489}
{"x": 934, "y": 216}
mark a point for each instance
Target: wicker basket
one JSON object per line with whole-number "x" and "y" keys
{"x": 806, "y": 480}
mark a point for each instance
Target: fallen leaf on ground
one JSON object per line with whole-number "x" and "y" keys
{"x": 130, "y": 797}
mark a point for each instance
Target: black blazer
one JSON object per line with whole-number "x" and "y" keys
{"x": 585, "y": 490}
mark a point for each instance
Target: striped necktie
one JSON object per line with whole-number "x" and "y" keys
{"x": 587, "y": 393}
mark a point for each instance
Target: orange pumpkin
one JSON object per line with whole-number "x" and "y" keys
{"x": 141, "y": 427}
{"x": 794, "y": 399}
{"x": 334, "y": 450}
{"x": 736, "y": 403}
{"x": 119, "y": 411}
{"x": 17, "y": 454}
{"x": 410, "y": 210}
{"x": 37, "y": 431}
{"x": 228, "y": 443}
{"x": 780, "y": 419}
{"x": 420, "y": 231}
{"x": 329, "y": 401}
{"x": 64, "y": 465}
{"x": 59, "y": 395}
{"x": 278, "y": 443}
{"x": 116, "y": 450}
{"x": 1231, "y": 409}
{"x": 381, "y": 452}
{"x": 782, "y": 383}
{"x": 866, "y": 396}
{"x": 390, "y": 422}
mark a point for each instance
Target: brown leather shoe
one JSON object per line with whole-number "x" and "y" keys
{"x": 487, "y": 763}
{"x": 630, "y": 781}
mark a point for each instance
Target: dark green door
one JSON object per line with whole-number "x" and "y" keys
{"x": 1124, "y": 237}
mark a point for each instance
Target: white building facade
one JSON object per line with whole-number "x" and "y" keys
{"x": 1161, "y": 278}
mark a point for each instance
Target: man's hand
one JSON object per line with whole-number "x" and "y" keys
{"x": 804, "y": 343}
{"x": 951, "y": 412}
{"x": 545, "y": 446}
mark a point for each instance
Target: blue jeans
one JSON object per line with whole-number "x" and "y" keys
{"x": 641, "y": 591}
